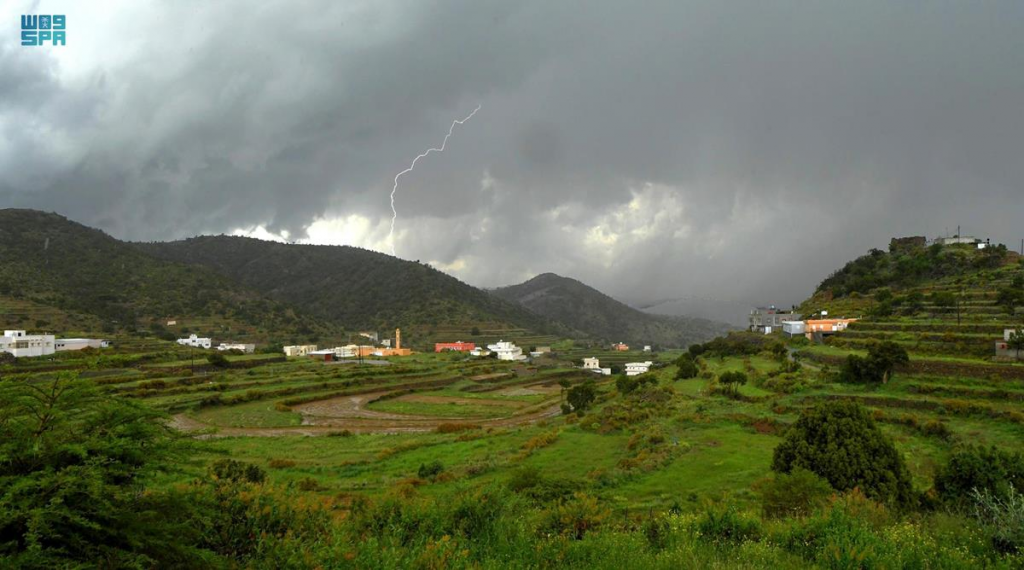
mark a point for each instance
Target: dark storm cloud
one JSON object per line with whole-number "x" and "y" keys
{"x": 736, "y": 151}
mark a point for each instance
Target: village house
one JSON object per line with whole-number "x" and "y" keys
{"x": 325, "y": 355}
{"x": 457, "y": 346}
{"x": 591, "y": 363}
{"x": 1003, "y": 348}
{"x": 246, "y": 348}
{"x": 637, "y": 368}
{"x": 794, "y": 328}
{"x": 19, "y": 343}
{"x": 62, "y": 344}
{"x": 299, "y": 349}
{"x": 506, "y": 351}
{"x": 480, "y": 352}
{"x": 621, "y": 347}
{"x": 195, "y": 341}
{"x": 767, "y": 319}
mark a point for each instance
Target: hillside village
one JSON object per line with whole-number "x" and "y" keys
{"x": 924, "y": 339}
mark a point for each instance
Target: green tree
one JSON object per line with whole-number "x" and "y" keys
{"x": 975, "y": 467}
{"x": 1016, "y": 341}
{"x": 219, "y": 360}
{"x": 733, "y": 380}
{"x": 581, "y": 396}
{"x": 839, "y": 441}
{"x": 73, "y": 467}
{"x": 877, "y": 367}
{"x": 687, "y": 368}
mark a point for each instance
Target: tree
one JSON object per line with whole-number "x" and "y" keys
{"x": 943, "y": 299}
{"x": 840, "y": 442}
{"x": 687, "y": 368}
{"x": 1016, "y": 341}
{"x": 695, "y": 350}
{"x": 475, "y": 331}
{"x": 581, "y": 396}
{"x": 72, "y": 480}
{"x": 733, "y": 380}
{"x": 984, "y": 469}
{"x": 219, "y": 360}
{"x": 882, "y": 359}
{"x": 796, "y": 493}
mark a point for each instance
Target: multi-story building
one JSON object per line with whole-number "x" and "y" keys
{"x": 768, "y": 319}
{"x": 20, "y": 344}
{"x": 195, "y": 341}
{"x": 506, "y": 351}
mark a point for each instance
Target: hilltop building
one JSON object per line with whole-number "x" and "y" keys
{"x": 457, "y": 346}
{"x": 637, "y": 368}
{"x": 506, "y": 350}
{"x": 195, "y": 341}
{"x": 767, "y": 319}
{"x": 480, "y": 352}
{"x": 1003, "y": 349}
{"x": 621, "y": 347}
{"x": 591, "y": 363}
{"x": 246, "y": 348}
{"x": 62, "y": 344}
{"x": 20, "y": 343}
{"x": 299, "y": 349}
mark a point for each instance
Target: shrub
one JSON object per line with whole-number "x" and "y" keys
{"x": 726, "y": 524}
{"x": 219, "y": 360}
{"x": 985, "y": 469}
{"x": 1004, "y": 515}
{"x": 574, "y": 517}
{"x": 733, "y": 380}
{"x": 430, "y": 470}
{"x": 455, "y": 427}
{"x": 797, "y": 493}
{"x": 280, "y": 463}
{"x": 840, "y": 442}
{"x": 236, "y": 471}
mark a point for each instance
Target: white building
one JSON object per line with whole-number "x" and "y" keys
{"x": 794, "y": 328}
{"x": 20, "y": 344}
{"x": 62, "y": 344}
{"x": 637, "y": 368}
{"x": 347, "y": 351}
{"x": 591, "y": 363}
{"x": 195, "y": 341}
{"x": 480, "y": 352}
{"x": 506, "y": 350}
{"x": 647, "y": 348}
{"x": 299, "y": 350}
{"x": 246, "y": 348}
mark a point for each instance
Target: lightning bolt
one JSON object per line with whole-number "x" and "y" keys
{"x": 394, "y": 212}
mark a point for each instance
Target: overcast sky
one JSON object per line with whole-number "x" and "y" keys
{"x": 725, "y": 151}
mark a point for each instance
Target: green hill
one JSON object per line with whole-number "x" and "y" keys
{"x": 584, "y": 308}
{"x": 60, "y": 275}
{"x": 351, "y": 286}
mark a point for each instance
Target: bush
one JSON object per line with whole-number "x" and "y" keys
{"x": 725, "y": 524}
{"x": 575, "y": 517}
{"x": 840, "y": 442}
{"x": 236, "y": 471}
{"x": 733, "y": 380}
{"x": 430, "y": 470}
{"x": 797, "y": 493}
{"x": 219, "y": 360}
{"x": 985, "y": 469}
{"x": 1004, "y": 515}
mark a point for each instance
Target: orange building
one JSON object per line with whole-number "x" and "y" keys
{"x": 620, "y": 347}
{"x": 458, "y": 346}
{"x": 397, "y": 350}
{"x": 827, "y": 326}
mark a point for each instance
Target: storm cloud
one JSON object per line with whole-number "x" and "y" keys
{"x": 710, "y": 151}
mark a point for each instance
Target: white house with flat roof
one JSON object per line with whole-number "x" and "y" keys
{"x": 637, "y": 368}
{"x": 506, "y": 350}
{"x": 20, "y": 343}
{"x": 195, "y": 341}
{"x": 247, "y": 348}
{"x": 62, "y": 344}
{"x": 299, "y": 349}
{"x": 591, "y": 363}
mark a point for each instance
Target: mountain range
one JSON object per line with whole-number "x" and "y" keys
{"x": 82, "y": 278}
